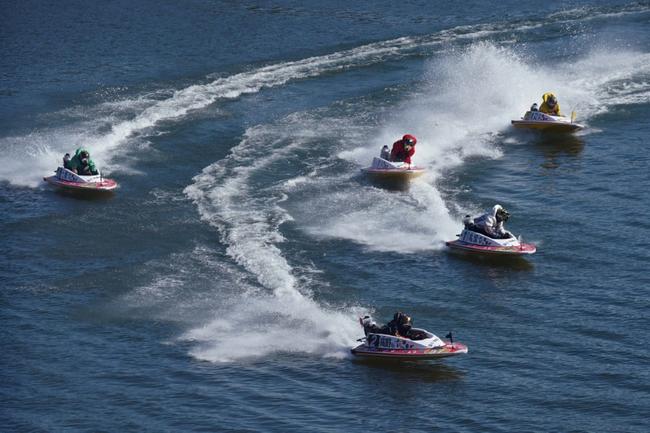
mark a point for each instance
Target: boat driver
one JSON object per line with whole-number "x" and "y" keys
{"x": 400, "y": 326}
{"x": 490, "y": 223}
{"x": 82, "y": 164}
{"x": 550, "y": 105}
{"x": 403, "y": 149}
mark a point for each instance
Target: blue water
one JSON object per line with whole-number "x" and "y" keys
{"x": 219, "y": 288}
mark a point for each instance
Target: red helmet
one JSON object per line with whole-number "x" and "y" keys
{"x": 409, "y": 139}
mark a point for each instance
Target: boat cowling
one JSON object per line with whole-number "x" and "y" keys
{"x": 400, "y": 348}
{"x": 476, "y": 238}
{"x": 386, "y": 341}
{"x": 383, "y": 164}
{"x": 69, "y": 176}
{"x": 543, "y": 117}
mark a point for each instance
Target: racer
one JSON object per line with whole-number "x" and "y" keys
{"x": 400, "y": 326}
{"x": 403, "y": 149}
{"x": 550, "y": 104}
{"x": 490, "y": 223}
{"x": 81, "y": 163}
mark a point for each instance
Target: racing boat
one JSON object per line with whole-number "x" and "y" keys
{"x": 422, "y": 346}
{"x": 473, "y": 241}
{"x": 539, "y": 121}
{"x": 66, "y": 179}
{"x": 382, "y": 169}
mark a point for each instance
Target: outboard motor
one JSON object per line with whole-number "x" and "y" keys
{"x": 385, "y": 153}
{"x": 369, "y": 325}
{"x": 468, "y": 222}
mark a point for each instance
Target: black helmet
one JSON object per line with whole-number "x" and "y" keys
{"x": 502, "y": 215}
{"x": 404, "y": 325}
{"x": 401, "y": 319}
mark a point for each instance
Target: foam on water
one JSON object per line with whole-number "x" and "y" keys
{"x": 230, "y": 318}
{"x": 282, "y": 316}
{"x": 275, "y": 324}
{"x": 183, "y": 285}
{"x": 189, "y": 287}
{"x": 468, "y": 98}
{"x": 608, "y": 77}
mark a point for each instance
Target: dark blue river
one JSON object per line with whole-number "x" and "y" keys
{"x": 219, "y": 288}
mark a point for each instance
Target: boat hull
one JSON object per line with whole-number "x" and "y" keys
{"x": 476, "y": 242}
{"x": 396, "y": 174}
{"x": 508, "y": 250}
{"x": 392, "y": 175}
{"x": 103, "y": 186}
{"x": 448, "y": 350}
{"x": 67, "y": 180}
{"x": 538, "y": 121}
{"x": 546, "y": 126}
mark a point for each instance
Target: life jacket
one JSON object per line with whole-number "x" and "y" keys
{"x": 84, "y": 170}
{"x": 545, "y": 108}
{"x": 401, "y": 324}
{"x": 401, "y": 154}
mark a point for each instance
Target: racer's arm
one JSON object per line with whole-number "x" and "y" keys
{"x": 409, "y": 155}
{"x": 91, "y": 166}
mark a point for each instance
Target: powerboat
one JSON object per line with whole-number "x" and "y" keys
{"x": 384, "y": 170}
{"x": 536, "y": 120}
{"x": 473, "y": 241}
{"x": 67, "y": 180}
{"x": 422, "y": 345}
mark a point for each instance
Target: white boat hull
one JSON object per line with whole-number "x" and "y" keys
{"x": 68, "y": 180}
{"x": 539, "y": 121}
{"x": 386, "y": 170}
{"x": 476, "y": 242}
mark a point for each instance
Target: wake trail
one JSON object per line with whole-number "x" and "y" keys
{"x": 233, "y": 196}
